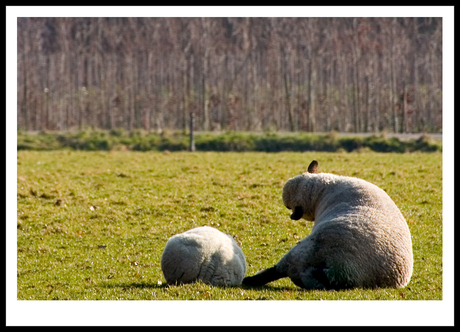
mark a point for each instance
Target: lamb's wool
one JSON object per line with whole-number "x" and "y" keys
{"x": 359, "y": 239}
{"x": 206, "y": 254}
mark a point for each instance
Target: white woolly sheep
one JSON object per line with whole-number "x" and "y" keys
{"x": 206, "y": 254}
{"x": 359, "y": 238}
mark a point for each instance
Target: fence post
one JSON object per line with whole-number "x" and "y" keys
{"x": 192, "y": 125}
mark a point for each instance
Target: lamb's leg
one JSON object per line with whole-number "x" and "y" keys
{"x": 264, "y": 277}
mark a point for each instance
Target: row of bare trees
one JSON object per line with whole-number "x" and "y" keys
{"x": 308, "y": 74}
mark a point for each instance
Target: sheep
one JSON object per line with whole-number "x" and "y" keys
{"x": 359, "y": 238}
{"x": 206, "y": 254}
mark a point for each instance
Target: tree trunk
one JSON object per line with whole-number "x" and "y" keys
{"x": 393, "y": 94}
{"x": 288, "y": 92}
{"x": 205, "y": 104}
{"x": 405, "y": 122}
{"x": 311, "y": 98}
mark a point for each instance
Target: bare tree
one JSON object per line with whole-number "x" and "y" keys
{"x": 239, "y": 73}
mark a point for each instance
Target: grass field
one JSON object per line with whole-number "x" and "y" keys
{"x": 93, "y": 225}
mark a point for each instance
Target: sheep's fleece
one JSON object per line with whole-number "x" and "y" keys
{"x": 206, "y": 254}
{"x": 359, "y": 238}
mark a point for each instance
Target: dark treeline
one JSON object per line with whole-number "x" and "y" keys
{"x": 242, "y": 74}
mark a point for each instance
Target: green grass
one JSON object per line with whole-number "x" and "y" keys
{"x": 69, "y": 203}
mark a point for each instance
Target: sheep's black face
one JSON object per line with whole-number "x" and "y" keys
{"x": 297, "y": 214}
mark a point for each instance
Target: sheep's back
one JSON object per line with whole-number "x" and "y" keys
{"x": 348, "y": 194}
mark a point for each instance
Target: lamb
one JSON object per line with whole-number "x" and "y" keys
{"x": 359, "y": 239}
{"x": 206, "y": 254}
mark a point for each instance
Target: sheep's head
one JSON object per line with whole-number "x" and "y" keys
{"x": 294, "y": 195}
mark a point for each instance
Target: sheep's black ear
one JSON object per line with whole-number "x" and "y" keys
{"x": 313, "y": 168}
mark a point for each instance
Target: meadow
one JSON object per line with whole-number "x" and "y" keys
{"x": 92, "y": 225}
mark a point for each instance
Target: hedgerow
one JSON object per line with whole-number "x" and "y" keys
{"x": 138, "y": 140}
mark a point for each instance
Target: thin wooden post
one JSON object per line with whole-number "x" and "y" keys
{"x": 192, "y": 138}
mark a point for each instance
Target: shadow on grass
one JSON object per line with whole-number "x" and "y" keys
{"x": 273, "y": 288}
{"x": 133, "y": 285}
{"x": 293, "y": 288}
{"x": 165, "y": 285}
{"x": 150, "y": 285}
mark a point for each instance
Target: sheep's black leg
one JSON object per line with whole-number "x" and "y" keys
{"x": 263, "y": 277}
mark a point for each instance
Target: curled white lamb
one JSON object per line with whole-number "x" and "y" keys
{"x": 359, "y": 238}
{"x": 206, "y": 254}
